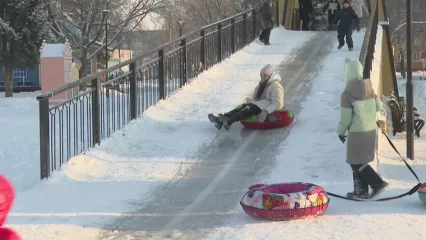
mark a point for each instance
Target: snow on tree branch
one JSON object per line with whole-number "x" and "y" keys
{"x": 403, "y": 24}
{"x": 7, "y": 28}
{"x": 83, "y": 24}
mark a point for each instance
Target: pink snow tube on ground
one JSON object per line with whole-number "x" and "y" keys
{"x": 7, "y": 195}
{"x": 284, "y": 201}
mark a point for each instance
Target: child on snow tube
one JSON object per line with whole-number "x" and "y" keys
{"x": 268, "y": 97}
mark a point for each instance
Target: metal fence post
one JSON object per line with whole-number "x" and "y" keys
{"x": 133, "y": 101}
{"x": 96, "y": 109}
{"x": 161, "y": 83}
{"x": 233, "y": 33}
{"x": 219, "y": 42}
{"x": 184, "y": 64}
{"x": 367, "y": 67}
{"x": 44, "y": 138}
{"x": 254, "y": 23}
{"x": 203, "y": 49}
{"x": 245, "y": 29}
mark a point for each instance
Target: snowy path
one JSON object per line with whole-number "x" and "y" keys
{"x": 119, "y": 177}
{"x": 207, "y": 194}
{"x": 313, "y": 153}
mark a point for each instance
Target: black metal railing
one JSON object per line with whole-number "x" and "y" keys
{"x": 80, "y": 122}
{"x": 369, "y": 44}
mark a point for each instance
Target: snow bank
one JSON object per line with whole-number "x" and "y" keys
{"x": 19, "y": 144}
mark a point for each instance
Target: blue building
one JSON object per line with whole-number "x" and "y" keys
{"x": 24, "y": 77}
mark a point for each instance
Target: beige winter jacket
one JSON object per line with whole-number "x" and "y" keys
{"x": 358, "y": 6}
{"x": 272, "y": 98}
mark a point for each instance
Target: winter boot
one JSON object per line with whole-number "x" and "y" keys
{"x": 360, "y": 188}
{"x": 351, "y": 49}
{"x": 340, "y": 47}
{"x": 379, "y": 188}
{"x": 227, "y": 121}
{"x": 373, "y": 179}
{"x": 246, "y": 112}
{"x": 216, "y": 120}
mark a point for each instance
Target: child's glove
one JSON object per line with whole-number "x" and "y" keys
{"x": 342, "y": 138}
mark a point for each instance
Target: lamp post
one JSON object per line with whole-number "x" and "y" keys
{"x": 105, "y": 13}
{"x": 409, "y": 90}
{"x": 180, "y": 23}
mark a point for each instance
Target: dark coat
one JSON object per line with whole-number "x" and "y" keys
{"x": 266, "y": 16}
{"x": 346, "y": 16}
{"x": 305, "y": 8}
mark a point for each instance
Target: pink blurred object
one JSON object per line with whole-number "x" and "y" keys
{"x": 422, "y": 193}
{"x": 7, "y": 195}
{"x": 8, "y": 234}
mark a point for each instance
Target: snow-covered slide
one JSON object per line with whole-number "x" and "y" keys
{"x": 228, "y": 161}
{"x": 171, "y": 174}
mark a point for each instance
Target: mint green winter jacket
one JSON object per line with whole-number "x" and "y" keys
{"x": 359, "y": 105}
{"x": 358, "y": 102}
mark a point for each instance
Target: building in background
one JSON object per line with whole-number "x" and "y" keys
{"x": 419, "y": 38}
{"x": 24, "y": 79}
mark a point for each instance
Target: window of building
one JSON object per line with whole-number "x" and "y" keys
{"x": 67, "y": 66}
{"x": 20, "y": 73}
{"x": 417, "y": 56}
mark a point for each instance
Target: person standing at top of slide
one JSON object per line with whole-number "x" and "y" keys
{"x": 266, "y": 21}
{"x": 306, "y": 9}
{"x": 346, "y": 16}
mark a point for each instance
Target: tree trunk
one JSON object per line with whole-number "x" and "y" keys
{"x": 83, "y": 70}
{"x": 8, "y": 80}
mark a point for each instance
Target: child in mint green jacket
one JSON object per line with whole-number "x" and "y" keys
{"x": 359, "y": 105}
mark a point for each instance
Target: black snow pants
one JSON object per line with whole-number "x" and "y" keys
{"x": 305, "y": 24}
{"x": 330, "y": 18}
{"x": 341, "y": 34}
{"x": 242, "y": 112}
{"x": 265, "y": 35}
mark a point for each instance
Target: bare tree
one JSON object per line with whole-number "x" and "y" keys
{"x": 198, "y": 13}
{"x": 397, "y": 19}
{"x": 82, "y": 23}
{"x": 397, "y": 16}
